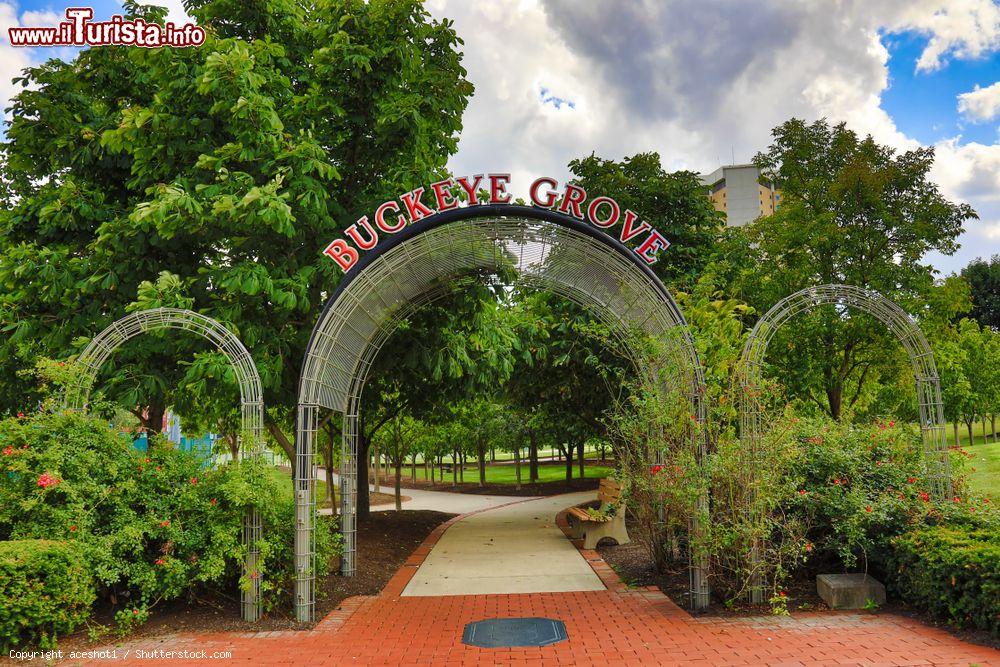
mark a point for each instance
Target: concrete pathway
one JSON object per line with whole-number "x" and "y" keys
{"x": 441, "y": 501}
{"x": 512, "y": 549}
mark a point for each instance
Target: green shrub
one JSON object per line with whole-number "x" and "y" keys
{"x": 45, "y": 590}
{"x": 952, "y": 572}
{"x": 154, "y": 526}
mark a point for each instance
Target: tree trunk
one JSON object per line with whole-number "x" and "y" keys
{"x": 533, "y": 457}
{"x": 993, "y": 427}
{"x": 413, "y": 468}
{"x": 580, "y": 457}
{"x": 363, "y": 501}
{"x": 331, "y": 495}
{"x": 968, "y": 425}
{"x": 376, "y": 464}
{"x": 481, "y": 451}
{"x": 567, "y": 451}
{"x": 234, "y": 446}
{"x": 280, "y": 438}
{"x": 429, "y": 465}
{"x": 441, "y": 468}
{"x": 517, "y": 467}
{"x": 399, "y": 474}
{"x": 153, "y": 421}
{"x": 493, "y": 454}
{"x": 835, "y": 395}
{"x": 454, "y": 468}
{"x": 461, "y": 467}
{"x": 958, "y": 440}
{"x": 984, "y": 429}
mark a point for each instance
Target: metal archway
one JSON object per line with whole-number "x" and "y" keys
{"x": 250, "y": 438}
{"x": 544, "y": 249}
{"x": 906, "y": 330}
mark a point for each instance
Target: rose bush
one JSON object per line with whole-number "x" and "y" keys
{"x": 152, "y": 526}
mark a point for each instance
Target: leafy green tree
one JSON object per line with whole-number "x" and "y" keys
{"x": 672, "y": 202}
{"x": 228, "y": 166}
{"x": 853, "y": 212}
{"x": 984, "y": 280}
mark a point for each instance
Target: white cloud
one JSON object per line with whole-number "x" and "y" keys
{"x": 12, "y": 59}
{"x": 957, "y": 28}
{"x": 980, "y": 104}
{"x": 703, "y": 83}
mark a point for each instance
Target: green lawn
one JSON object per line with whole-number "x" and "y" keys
{"x": 986, "y": 460}
{"x": 506, "y": 474}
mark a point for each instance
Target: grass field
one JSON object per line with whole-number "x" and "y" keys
{"x": 986, "y": 460}
{"x": 507, "y": 474}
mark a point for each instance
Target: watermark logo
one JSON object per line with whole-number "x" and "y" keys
{"x": 79, "y": 30}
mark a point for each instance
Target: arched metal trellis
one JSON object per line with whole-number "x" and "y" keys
{"x": 116, "y": 334}
{"x": 427, "y": 260}
{"x": 932, "y": 423}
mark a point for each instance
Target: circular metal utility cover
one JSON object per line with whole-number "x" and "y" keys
{"x": 510, "y": 632}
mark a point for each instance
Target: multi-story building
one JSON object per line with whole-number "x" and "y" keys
{"x": 737, "y": 191}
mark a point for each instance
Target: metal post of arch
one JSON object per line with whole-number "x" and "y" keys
{"x": 250, "y": 437}
{"x": 906, "y": 330}
{"x": 432, "y": 258}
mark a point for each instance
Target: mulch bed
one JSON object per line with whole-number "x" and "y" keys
{"x": 384, "y": 543}
{"x": 635, "y": 568}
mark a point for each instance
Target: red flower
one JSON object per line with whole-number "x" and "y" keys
{"x": 148, "y": 460}
{"x": 891, "y": 424}
{"x": 20, "y": 415}
{"x": 902, "y": 497}
{"x": 924, "y": 496}
{"x": 956, "y": 499}
{"x": 972, "y": 509}
{"x": 135, "y": 612}
{"x": 45, "y": 480}
{"x": 809, "y": 547}
{"x": 160, "y": 561}
{"x": 158, "y": 468}
{"x": 72, "y": 529}
{"x": 802, "y": 492}
{"x": 878, "y": 463}
{"x": 656, "y": 469}
{"x": 194, "y": 480}
{"x": 911, "y": 480}
{"x": 254, "y": 575}
{"x": 8, "y": 450}
{"x": 782, "y": 594}
{"x": 164, "y": 523}
{"x": 214, "y": 501}
{"x": 868, "y": 509}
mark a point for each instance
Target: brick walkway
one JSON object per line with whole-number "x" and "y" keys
{"x": 611, "y": 627}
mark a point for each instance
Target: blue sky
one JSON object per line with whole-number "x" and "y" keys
{"x": 700, "y": 82}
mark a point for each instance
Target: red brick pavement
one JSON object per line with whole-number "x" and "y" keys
{"x": 618, "y": 626}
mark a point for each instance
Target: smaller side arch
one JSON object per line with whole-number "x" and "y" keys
{"x": 906, "y": 330}
{"x": 899, "y": 322}
{"x": 104, "y": 344}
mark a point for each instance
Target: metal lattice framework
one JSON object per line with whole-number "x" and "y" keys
{"x": 541, "y": 249}
{"x": 250, "y": 438}
{"x": 902, "y": 326}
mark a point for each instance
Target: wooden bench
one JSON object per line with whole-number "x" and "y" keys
{"x": 609, "y": 520}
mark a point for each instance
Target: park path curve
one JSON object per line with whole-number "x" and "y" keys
{"x": 516, "y": 548}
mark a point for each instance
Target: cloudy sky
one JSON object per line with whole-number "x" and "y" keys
{"x": 703, "y": 82}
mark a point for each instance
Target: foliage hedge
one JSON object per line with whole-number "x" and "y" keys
{"x": 952, "y": 572}
{"x": 46, "y": 590}
{"x": 152, "y": 526}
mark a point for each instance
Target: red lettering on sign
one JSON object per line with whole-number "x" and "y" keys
{"x": 550, "y": 195}
{"x": 654, "y": 242}
{"x": 380, "y": 218}
{"x": 342, "y": 254}
{"x": 416, "y": 209}
{"x": 610, "y": 220}
{"x": 364, "y": 244}
{"x": 574, "y": 196}
{"x": 471, "y": 189}
{"x": 628, "y": 231}
{"x": 498, "y": 188}
{"x": 443, "y": 195}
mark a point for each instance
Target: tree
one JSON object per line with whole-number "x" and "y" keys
{"x": 397, "y": 442}
{"x": 853, "y": 212}
{"x": 227, "y": 165}
{"x": 984, "y": 280}
{"x": 674, "y": 203}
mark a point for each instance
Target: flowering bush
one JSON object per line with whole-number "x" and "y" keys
{"x": 45, "y": 590}
{"x": 152, "y": 526}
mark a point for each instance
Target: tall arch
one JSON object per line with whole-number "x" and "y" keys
{"x": 906, "y": 330}
{"x": 104, "y": 344}
{"x": 428, "y": 260}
